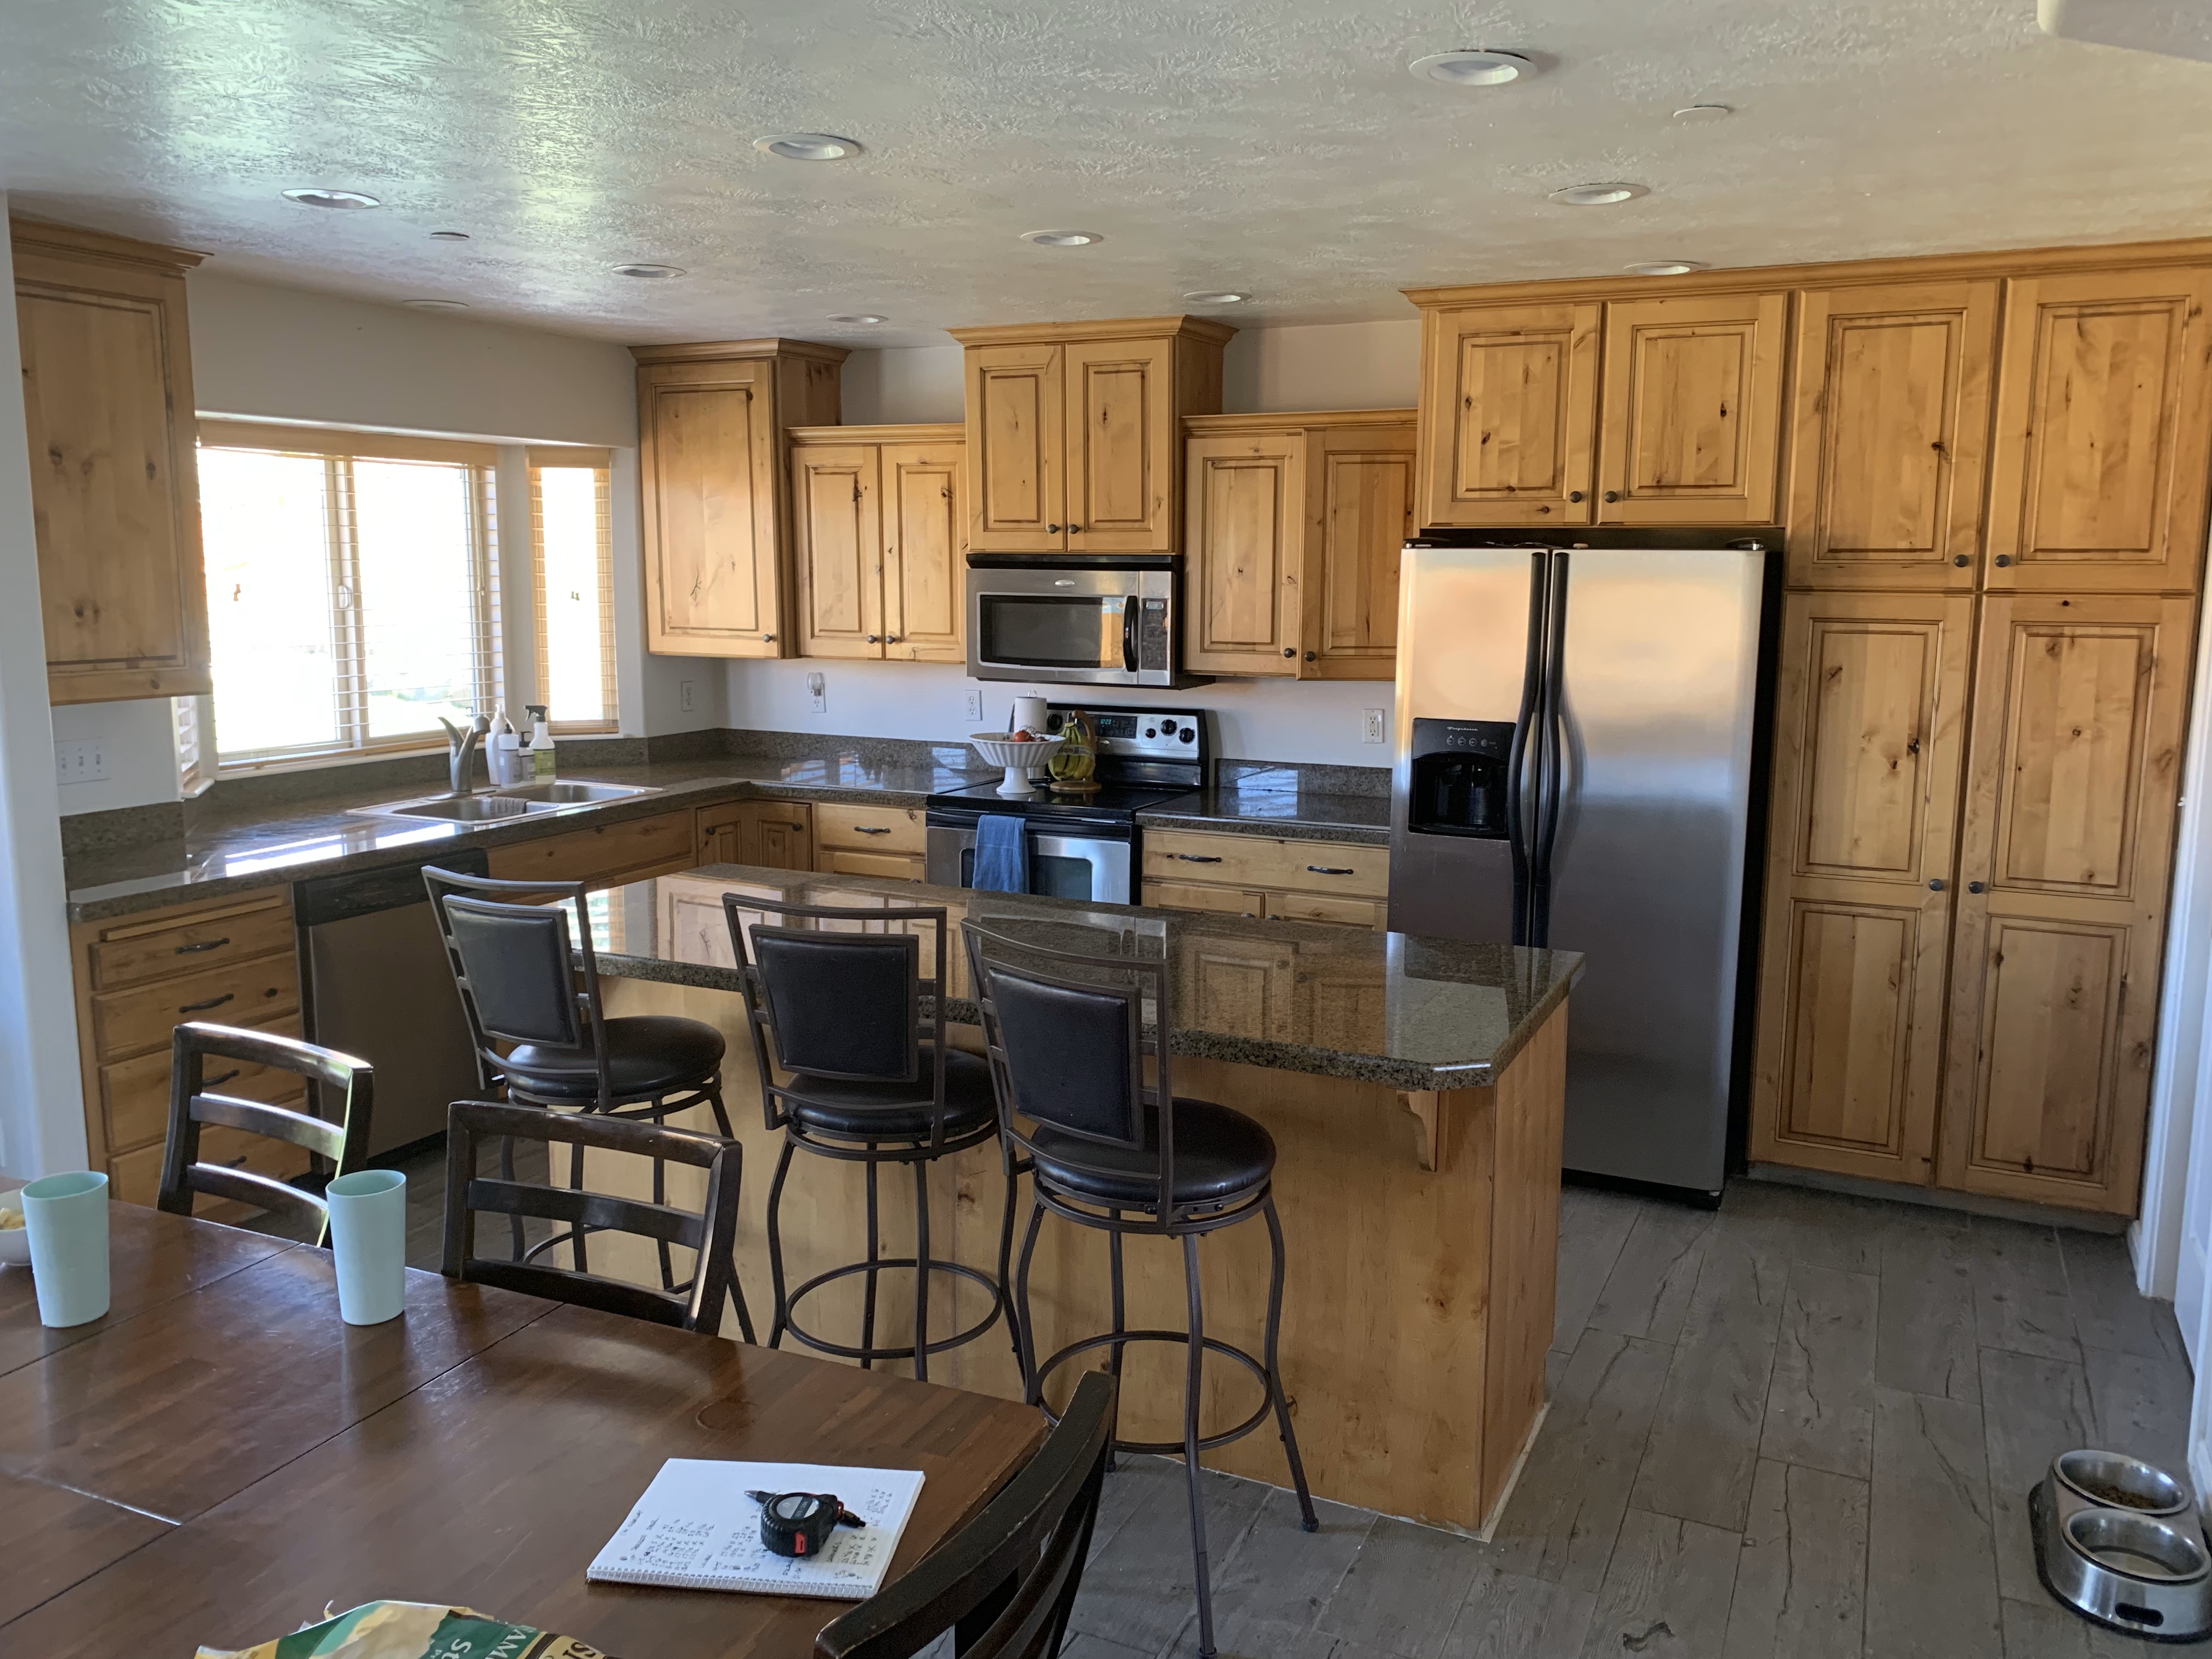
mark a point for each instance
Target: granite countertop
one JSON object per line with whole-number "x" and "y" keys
{"x": 1258, "y": 808}
{"x": 1400, "y": 1009}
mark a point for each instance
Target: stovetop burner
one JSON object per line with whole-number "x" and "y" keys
{"x": 1111, "y": 800}
{"x": 1147, "y": 758}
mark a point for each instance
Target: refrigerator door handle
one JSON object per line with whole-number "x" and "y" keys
{"x": 1526, "y": 728}
{"x": 1552, "y": 760}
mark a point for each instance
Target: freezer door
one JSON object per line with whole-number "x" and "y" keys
{"x": 1659, "y": 670}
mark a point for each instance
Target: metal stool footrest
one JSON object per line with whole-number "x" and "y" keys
{"x": 1206, "y": 1443}
{"x": 939, "y": 1345}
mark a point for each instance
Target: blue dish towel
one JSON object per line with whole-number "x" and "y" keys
{"x": 1002, "y": 855}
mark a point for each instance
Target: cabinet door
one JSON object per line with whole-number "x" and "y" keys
{"x": 2097, "y": 478}
{"x": 1509, "y": 406}
{"x": 1870, "y": 734}
{"x": 925, "y": 536}
{"x": 107, "y": 398}
{"x": 1692, "y": 427}
{"x": 837, "y": 543}
{"x": 1122, "y": 431}
{"x": 1017, "y": 493}
{"x": 1245, "y": 498}
{"x": 1359, "y": 496}
{"x": 2071, "y": 802}
{"x": 1892, "y": 435}
{"x": 1238, "y": 987}
{"x": 780, "y": 836}
{"x": 708, "y": 460}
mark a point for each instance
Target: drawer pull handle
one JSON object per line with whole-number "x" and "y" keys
{"x": 1331, "y": 870}
{"x": 1199, "y": 858}
{"x": 207, "y": 944}
{"x": 870, "y": 830}
{"x": 217, "y": 1081}
{"x": 212, "y": 1002}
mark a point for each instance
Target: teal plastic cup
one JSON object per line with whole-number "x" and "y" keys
{"x": 369, "y": 1244}
{"x": 66, "y": 1216}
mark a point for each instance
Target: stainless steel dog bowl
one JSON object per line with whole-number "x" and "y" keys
{"x": 2117, "y": 1541}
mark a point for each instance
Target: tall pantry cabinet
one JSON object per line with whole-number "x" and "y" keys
{"x": 1995, "y": 511}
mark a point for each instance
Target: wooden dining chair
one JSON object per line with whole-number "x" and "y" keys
{"x": 1004, "y": 1582}
{"x": 696, "y": 1306}
{"x": 340, "y": 1137}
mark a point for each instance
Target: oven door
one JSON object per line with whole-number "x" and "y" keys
{"x": 1093, "y": 868}
{"x": 1070, "y": 620}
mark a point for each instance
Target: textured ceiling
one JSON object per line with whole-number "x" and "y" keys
{"x": 1274, "y": 144}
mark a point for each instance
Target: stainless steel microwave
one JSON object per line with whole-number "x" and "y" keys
{"x": 1075, "y": 619}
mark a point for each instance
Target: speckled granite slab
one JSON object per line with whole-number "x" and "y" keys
{"x": 1261, "y": 808}
{"x": 1395, "y": 1008}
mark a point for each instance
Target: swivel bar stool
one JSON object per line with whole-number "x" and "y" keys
{"x": 840, "y": 1012}
{"x": 1066, "y": 1034}
{"x": 516, "y": 961}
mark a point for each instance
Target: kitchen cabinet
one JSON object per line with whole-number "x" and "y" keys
{"x": 605, "y": 855}
{"x": 1890, "y": 448}
{"x": 1294, "y": 528}
{"x": 2065, "y": 853}
{"x": 879, "y": 532}
{"x": 774, "y": 834}
{"x": 1509, "y": 397}
{"x": 1073, "y": 434}
{"x": 869, "y": 841}
{"x": 712, "y": 426}
{"x": 107, "y": 400}
{"x": 2104, "y": 420}
{"x": 1266, "y": 876}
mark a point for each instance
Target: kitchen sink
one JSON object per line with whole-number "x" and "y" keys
{"x": 538, "y": 796}
{"x": 497, "y": 805}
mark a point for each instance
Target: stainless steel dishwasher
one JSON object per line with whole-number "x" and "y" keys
{"x": 376, "y": 984}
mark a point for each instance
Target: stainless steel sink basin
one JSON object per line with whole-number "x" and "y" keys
{"x": 495, "y": 805}
{"x": 541, "y": 795}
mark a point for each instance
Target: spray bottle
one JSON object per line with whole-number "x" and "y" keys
{"x": 541, "y": 741}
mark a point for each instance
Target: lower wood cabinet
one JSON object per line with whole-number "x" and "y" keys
{"x": 775, "y": 834}
{"x": 605, "y": 855}
{"x": 1263, "y": 876}
{"x": 868, "y": 841}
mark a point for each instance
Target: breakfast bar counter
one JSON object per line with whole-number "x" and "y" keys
{"x": 1414, "y": 1087}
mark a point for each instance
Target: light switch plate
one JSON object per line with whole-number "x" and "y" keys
{"x": 80, "y": 760}
{"x": 1376, "y": 718}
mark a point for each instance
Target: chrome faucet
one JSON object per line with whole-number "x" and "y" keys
{"x": 463, "y": 744}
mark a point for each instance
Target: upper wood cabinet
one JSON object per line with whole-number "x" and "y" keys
{"x": 711, "y": 443}
{"x": 1691, "y": 421}
{"x": 1890, "y": 447}
{"x": 1511, "y": 392}
{"x": 878, "y": 522}
{"x": 1074, "y": 440}
{"x": 1294, "y": 527}
{"x": 2104, "y": 421}
{"x": 107, "y": 398}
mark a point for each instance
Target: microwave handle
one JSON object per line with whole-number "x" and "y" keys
{"x": 1129, "y": 634}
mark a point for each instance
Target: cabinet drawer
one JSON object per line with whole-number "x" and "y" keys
{"x": 611, "y": 849}
{"x": 149, "y": 948}
{"x": 237, "y": 993}
{"x": 892, "y": 866}
{"x": 1224, "y": 901}
{"x": 1317, "y": 907}
{"x": 1308, "y": 866}
{"x": 869, "y": 829}
{"x": 134, "y": 1094}
{"x": 136, "y": 1177}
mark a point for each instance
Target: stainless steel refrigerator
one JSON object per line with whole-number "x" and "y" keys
{"x": 1573, "y": 768}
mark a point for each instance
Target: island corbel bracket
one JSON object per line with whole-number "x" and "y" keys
{"x": 1433, "y": 1119}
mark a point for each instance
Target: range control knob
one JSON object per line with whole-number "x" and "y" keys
{"x": 1190, "y": 734}
{"x": 1150, "y": 734}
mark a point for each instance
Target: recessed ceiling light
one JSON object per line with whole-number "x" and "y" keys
{"x": 807, "y": 146}
{"x": 312, "y": 197}
{"x": 1665, "y": 267}
{"x": 1703, "y": 112}
{"x": 1217, "y": 297}
{"x": 449, "y": 236}
{"x": 1062, "y": 238}
{"x": 1472, "y": 68}
{"x": 1604, "y": 195}
{"x": 650, "y": 272}
{"x": 437, "y": 305}
{"x": 855, "y": 317}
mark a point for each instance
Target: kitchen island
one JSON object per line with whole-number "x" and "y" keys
{"x": 1414, "y": 1087}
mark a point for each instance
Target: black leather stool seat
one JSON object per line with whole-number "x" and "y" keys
{"x": 648, "y": 1054}
{"x": 845, "y": 1110}
{"x": 1217, "y": 1154}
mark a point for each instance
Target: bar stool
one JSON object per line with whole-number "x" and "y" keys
{"x": 840, "y": 1012}
{"x": 515, "y": 962}
{"x": 1066, "y": 1034}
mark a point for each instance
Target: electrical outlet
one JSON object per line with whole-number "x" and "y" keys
{"x": 1372, "y": 731}
{"x": 80, "y": 760}
{"x": 687, "y": 694}
{"x": 975, "y": 707}
{"x": 817, "y": 694}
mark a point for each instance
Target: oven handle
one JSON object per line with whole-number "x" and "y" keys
{"x": 1129, "y": 634}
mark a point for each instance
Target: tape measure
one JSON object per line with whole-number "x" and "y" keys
{"x": 799, "y": 1523}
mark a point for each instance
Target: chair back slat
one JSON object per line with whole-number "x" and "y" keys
{"x": 1007, "y": 1581}
{"x": 712, "y": 1232}
{"x": 342, "y": 1086}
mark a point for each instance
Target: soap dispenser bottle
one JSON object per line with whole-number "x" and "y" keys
{"x": 541, "y": 742}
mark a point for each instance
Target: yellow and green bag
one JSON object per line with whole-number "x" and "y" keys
{"x": 413, "y": 1630}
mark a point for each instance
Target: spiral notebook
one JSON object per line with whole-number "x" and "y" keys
{"x": 694, "y": 1529}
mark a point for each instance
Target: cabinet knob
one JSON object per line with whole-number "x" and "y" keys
{"x": 1961, "y": 561}
{"x": 768, "y": 639}
{"x": 1545, "y": 508}
{"x": 1574, "y": 495}
{"x": 1075, "y": 530}
{"x": 1936, "y": 885}
{"x": 1613, "y": 494}
{"x": 890, "y": 638}
{"x": 1973, "y": 887}
{"x": 872, "y": 640}
{"x": 2002, "y": 560}
{"x": 1311, "y": 655}
{"x": 1290, "y": 651}
{"x": 1052, "y": 529}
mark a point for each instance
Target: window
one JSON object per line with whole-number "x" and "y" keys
{"x": 571, "y": 529}
{"x": 353, "y": 594}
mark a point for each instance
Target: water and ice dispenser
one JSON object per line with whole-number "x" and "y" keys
{"x": 1458, "y": 785}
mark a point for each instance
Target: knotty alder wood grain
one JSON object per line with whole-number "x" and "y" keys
{"x": 925, "y": 527}
{"x": 1691, "y": 421}
{"x": 1017, "y": 495}
{"x": 1360, "y": 497}
{"x": 1511, "y": 395}
{"x": 836, "y": 540}
{"x": 1246, "y": 493}
{"x": 1121, "y": 436}
{"x": 878, "y": 529}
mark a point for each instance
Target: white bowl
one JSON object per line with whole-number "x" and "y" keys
{"x": 1017, "y": 757}
{"x": 16, "y": 1246}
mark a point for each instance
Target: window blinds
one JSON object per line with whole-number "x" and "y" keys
{"x": 572, "y": 546}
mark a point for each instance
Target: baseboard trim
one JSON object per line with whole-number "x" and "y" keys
{"x": 2001, "y": 1209}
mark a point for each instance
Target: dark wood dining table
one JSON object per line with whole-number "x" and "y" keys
{"x": 221, "y": 1458}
